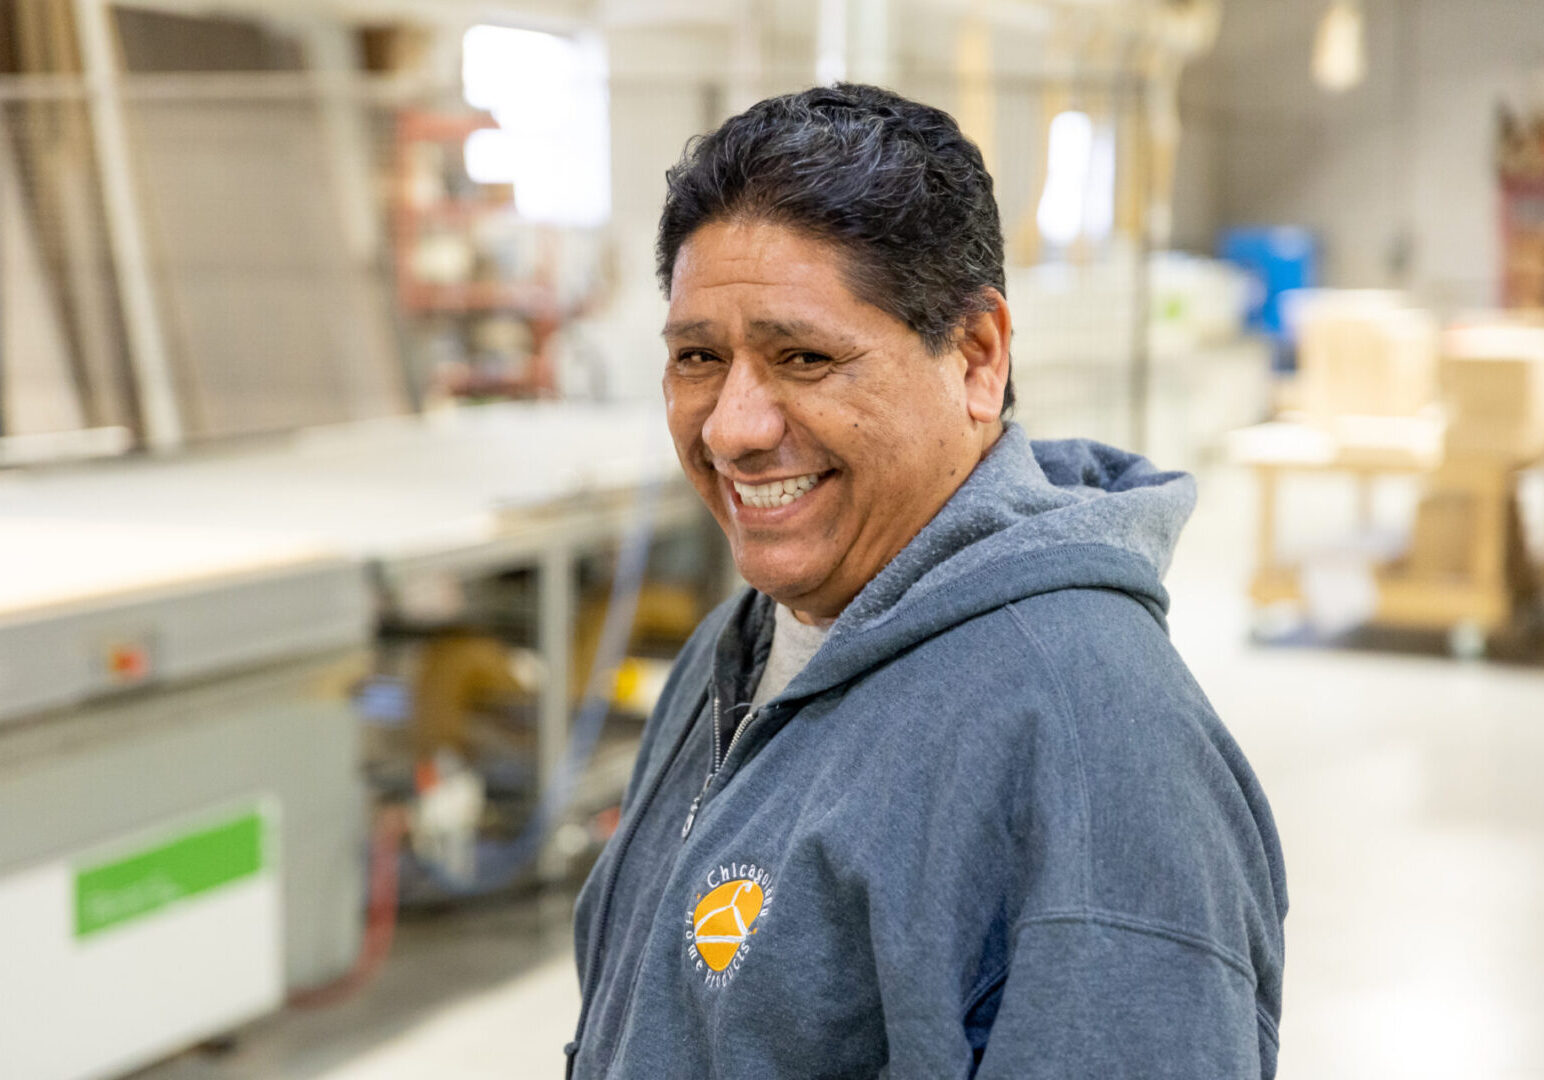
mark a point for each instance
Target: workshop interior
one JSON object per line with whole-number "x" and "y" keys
{"x": 345, "y": 547}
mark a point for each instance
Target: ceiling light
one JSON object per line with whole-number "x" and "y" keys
{"x": 1340, "y": 48}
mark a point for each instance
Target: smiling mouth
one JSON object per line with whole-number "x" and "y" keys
{"x": 776, "y": 493}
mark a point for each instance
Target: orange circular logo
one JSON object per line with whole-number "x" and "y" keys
{"x": 723, "y": 919}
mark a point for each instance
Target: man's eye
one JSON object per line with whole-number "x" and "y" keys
{"x": 694, "y": 358}
{"x": 807, "y": 359}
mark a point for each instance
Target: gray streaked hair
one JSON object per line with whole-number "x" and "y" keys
{"x": 894, "y": 184}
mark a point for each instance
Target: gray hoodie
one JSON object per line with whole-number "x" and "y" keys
{"x": 993, "y": 829}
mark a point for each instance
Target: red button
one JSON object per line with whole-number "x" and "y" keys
{"x": 129, "y": 663}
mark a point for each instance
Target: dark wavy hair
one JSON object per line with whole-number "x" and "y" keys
{"x": 893, "y": 183}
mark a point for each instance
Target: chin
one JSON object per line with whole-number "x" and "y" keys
{"x": 784, "y": 582}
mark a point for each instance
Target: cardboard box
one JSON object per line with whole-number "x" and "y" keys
{"x": 1365, "y": 355}
{"x": 1493, "y": 388}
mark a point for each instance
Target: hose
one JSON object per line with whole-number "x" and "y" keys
{"x": 381, "y": 915}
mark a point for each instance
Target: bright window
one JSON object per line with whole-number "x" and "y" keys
{"x": 1079, "y": 197}
{"x": 548, "y": 94}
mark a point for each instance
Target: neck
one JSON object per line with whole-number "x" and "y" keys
{"x": 809, "y": 619}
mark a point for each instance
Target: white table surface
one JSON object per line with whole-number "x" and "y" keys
{"x": 383, "y": 490}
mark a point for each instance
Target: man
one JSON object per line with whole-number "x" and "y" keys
{"x": 935, "y": 797}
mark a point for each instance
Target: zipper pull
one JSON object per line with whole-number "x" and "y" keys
{"x": 691, "y": 816}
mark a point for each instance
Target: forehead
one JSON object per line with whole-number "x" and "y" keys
{"x": 765, "y": 279}
{"x": 754, "y": 252}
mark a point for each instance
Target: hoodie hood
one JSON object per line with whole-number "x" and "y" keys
{"x": 1034, "y": 516}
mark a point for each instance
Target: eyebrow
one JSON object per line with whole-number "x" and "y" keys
{"x": 684, "y": 329}
{"x": 772, "y": 328}
{"x": 765, "y": 329}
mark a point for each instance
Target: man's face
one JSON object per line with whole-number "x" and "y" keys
{"x": 816, "y": 427}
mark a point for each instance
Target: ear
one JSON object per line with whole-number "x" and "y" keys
{"x": 984, "y": 343}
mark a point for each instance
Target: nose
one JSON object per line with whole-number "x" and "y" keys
{"x": 747, "y": 418}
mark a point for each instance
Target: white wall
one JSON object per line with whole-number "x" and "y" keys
{"x": 1402, "y": 161}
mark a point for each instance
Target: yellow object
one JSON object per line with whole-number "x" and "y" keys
{"x": 629, "y": 679}
{"x": 664, "y": 611}
{"x": 639, "y": 683}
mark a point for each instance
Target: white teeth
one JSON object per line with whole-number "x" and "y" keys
{"x": 776, "y": 492}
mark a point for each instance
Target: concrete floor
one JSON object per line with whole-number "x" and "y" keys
{"x": 483, "y": 993}
{"x": 1407, "y": 790}
{"x": 1407, "y": 793}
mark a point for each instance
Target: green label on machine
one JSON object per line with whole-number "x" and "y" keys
{"x": 149, "y": 880}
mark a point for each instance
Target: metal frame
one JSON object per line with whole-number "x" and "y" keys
{"x": 147, "y": 341}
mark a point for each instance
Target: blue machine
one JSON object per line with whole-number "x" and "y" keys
{"x": 1278, "y": 259}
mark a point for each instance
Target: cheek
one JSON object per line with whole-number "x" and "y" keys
{"x": 851, "y": 413}
{"x": 879, "y": 430}
{"x": 900, "y": 444}
{"x": 686, "y": 408}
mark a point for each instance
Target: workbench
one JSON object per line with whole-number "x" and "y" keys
{"x": 1464, "y": 570}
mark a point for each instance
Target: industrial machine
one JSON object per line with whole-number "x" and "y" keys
{"x": 183, "y": 813}
{"x": 179, "y": 793}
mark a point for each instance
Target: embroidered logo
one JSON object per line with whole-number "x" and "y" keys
{"x": 721, "y": 925}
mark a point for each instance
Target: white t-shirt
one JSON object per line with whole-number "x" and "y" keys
{"x": 793, "y": 644}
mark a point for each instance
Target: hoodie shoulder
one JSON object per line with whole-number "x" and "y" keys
{"x": 1178, "y": 835}
{"x": 1033, "y": 517}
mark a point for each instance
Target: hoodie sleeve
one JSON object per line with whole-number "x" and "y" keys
{"x": 1089, "y": 996}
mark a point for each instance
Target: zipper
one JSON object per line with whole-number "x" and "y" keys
{"x": 749, "y": 719}
{"x": 604, "y": 913}
{"x": 716, "y": 729}
{"x": 691, "y": 813}
{"x": 717, "y": 763}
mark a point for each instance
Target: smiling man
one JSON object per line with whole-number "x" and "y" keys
{"x": 935, "y": 797}
{"x": 819, "y": 429}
